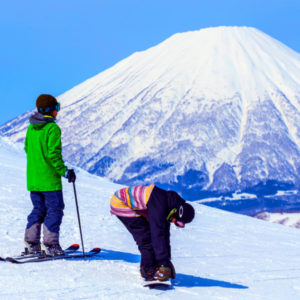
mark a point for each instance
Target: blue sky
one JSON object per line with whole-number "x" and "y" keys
{"x": 51, "y": 46}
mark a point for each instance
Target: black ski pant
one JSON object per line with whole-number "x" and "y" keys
{"x": 140, "y": 230}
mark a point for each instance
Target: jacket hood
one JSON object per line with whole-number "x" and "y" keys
{"x": 39, "y": 120}
{"x": 185, "y": 211}
{"x": 174, "y": 200}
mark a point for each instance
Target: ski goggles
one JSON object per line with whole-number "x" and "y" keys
{"x": 173, "y": 217}
{"x": 48, "y": 109}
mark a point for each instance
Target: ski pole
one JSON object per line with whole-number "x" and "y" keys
{"x": 78, "y": 217}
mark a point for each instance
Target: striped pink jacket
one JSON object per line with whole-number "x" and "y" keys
{"x": 128, "y": 201}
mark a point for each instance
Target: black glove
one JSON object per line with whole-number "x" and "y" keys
{"x": 163, "y": 273}
{"x": 71, "y": 175}
{"x": 166, "y": 272}
{"x": 173, "y": 272}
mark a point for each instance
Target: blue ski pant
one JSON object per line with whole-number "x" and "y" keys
{"x": 47, "y": 209}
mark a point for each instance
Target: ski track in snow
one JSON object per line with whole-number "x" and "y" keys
{"x": 219, "y": 256}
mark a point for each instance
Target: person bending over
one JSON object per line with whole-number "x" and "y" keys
{"x": 147, "y": 212}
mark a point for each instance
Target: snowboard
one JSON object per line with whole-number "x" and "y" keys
{"x": 157, "y": 284}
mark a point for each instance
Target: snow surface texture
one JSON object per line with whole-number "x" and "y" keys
{"x": 219, "y": 256}
{"x": 211, "y": 110}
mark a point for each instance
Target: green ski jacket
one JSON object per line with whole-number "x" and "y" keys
{"x": 45, "y": 165}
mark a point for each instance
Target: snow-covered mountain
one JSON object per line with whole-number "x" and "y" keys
{"x": 219, "y": 255}
{"x": 287, "y": 219}
{"x": 209, "y": 111}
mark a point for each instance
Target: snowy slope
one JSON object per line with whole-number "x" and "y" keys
{"x": 215, "y": 109}
{"x": 287, "y": 219}
{"x": 219, "y": 256}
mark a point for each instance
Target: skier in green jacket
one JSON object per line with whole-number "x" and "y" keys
{"x": 45, "y": 167}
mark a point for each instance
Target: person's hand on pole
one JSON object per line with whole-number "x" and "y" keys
{"x": 70, "y": 174}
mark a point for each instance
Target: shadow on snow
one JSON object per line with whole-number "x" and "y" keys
{"x": 182, "y": 280}
{"x": 118, "y": 255}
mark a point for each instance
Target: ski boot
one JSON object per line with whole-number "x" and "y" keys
{"x": 148, "y": 275}
{"x": 52, "y": 250}
{"x": 31, "y": 248}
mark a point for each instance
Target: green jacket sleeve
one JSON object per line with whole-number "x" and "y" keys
{"x": 54, "y": 150}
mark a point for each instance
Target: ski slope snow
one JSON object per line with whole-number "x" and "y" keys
{"x": 219, "y": 256}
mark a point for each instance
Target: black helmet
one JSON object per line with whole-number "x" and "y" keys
{"x": 185, "y": 213}
{"x": 181, "y": 215}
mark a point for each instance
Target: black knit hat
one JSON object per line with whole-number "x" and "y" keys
{"x": 45, "y": 103}
{"x": 186, "y": 213}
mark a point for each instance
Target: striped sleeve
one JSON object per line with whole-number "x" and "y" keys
{"x": 128, "y": 201}
{"x": 119, "y": 208}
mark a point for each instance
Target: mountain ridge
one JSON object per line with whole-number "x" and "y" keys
{"x": 212, "y": 110}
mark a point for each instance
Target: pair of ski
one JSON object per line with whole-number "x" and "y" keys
{"x": 69, "y": 253}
